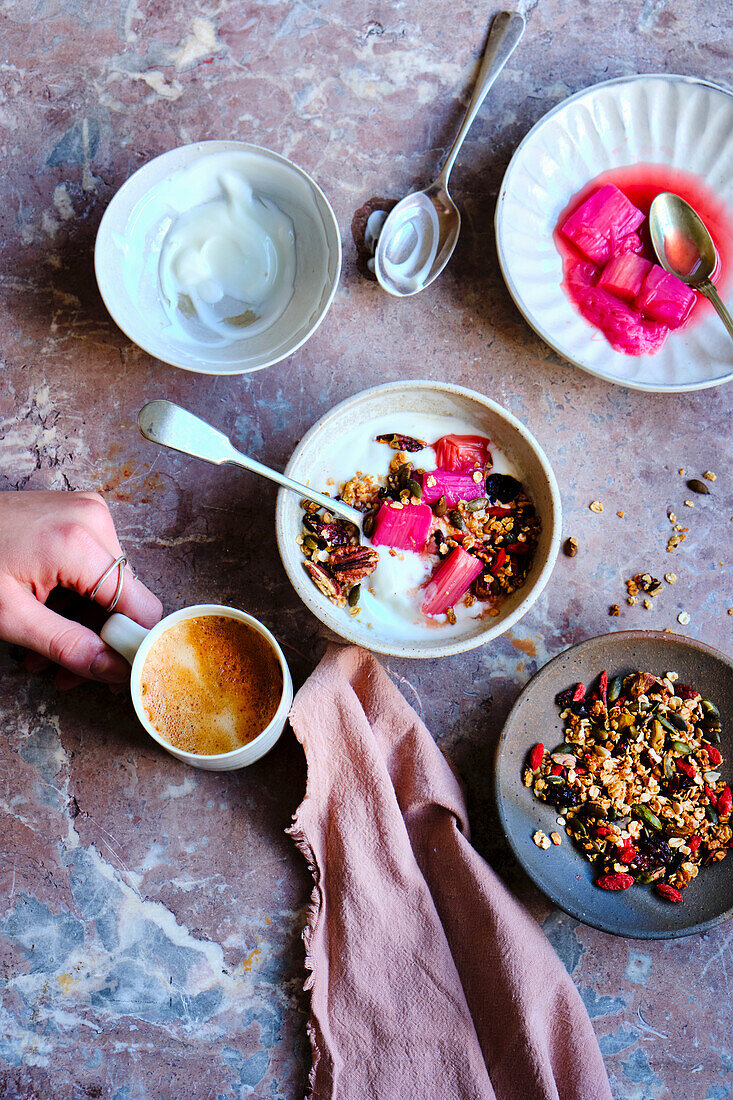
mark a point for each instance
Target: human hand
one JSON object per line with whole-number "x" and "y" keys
{"x": 67, "y": 539}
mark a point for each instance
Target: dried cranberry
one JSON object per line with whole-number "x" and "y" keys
{"x": 651, "y": 852}
{"x": 502, "y": 487}
{"x": 562, "y": 795}
{"x": 564, "y": 698}
{"x": 685, "y": 692}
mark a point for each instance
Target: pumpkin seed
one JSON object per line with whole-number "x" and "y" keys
{"x": 669, "y": 769}
{"x": 650, "y": 876}
{"x": 713, "y": 735}
{"x": 676, "y": 721}
{"x": 698, "y": 486}
{"x": 711, "y": 815}
{"x": 666, "y": 723}
{"x": 614, "y": 689}
{"x": 368, "y": 524}
{"x": 477, "y": 504}
{"x": 566, "y": 747}
{"x": 579, "y": 830}
{"x": 710, "y": 708}
{"x": 441, "y": 506}
{"x": 681, "y": 747}
{"x": 457, "y": 520}
{"x": 415, "y": 488}
{"x": 354, "y": 595}
{"x": 555, "y": 780}
{"x": 310, "y": 542}
{"x": 647, "y": 816}
{"x": 403, "y": 472}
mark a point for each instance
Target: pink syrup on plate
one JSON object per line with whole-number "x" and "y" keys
{"x": 622, "y": 318}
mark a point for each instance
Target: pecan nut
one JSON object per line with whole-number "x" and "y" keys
{"x": 323, "y": 580}
{"x": 351, "y": 563}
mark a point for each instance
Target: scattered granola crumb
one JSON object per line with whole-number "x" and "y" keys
{"x": 671, "y": 517}
{"x": 614, "y": 609}
{"x": 681, "y": 471}
{"x": 647, "y": 604}
{"x": 555, "y": 838}
{"x": 730, "y": 610}
{"x": 571, "y": 547}
{"x": 675, "y": 541}
{"x": 689, "y": 503}
{"x": 631, "y": 600}
{"x": 595, "y": 506}
{"x": 668, "y": 630}
{"x": 673, "y": 677}
{"x": 683, "y": 618}
{"x": 560, "y": 820}
{"x": 670, "y": 578}
{"x": 621, "y": 515}
{"x": 709, "y": 475}
{"x": 540, "y": 839}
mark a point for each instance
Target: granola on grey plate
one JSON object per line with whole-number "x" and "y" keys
{"x": 637, "y": 781}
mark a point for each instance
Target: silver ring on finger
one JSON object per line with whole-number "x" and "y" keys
{"x": 118, "y": 564}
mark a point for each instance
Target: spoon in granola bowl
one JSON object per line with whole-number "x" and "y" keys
{"x": 171, "y": 426}
{"x": 685, "y": 248}
{"x": 421, "y": 232}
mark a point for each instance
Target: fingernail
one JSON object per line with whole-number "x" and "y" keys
{"x": 110, "y": 667}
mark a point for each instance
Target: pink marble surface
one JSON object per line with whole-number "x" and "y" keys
{"x": 150, "y": 914}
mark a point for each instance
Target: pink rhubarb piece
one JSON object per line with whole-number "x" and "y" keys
{"x": 405, "y": 527}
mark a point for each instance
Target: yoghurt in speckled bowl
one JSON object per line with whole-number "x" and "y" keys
{"x": 390, "y": 616}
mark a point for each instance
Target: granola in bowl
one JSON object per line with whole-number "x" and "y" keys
{"x": 450, "y": 532}
{"x": 637, "y": 781}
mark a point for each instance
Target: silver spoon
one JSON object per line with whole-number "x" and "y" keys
{"x": 421, "y": 232}
{"x": 685, "y": 248}
{"x": 171, "y": 426}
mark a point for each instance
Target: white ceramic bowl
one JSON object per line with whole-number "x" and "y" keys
{"x": 432, "y": 398}
{"x": 128, "y": 284}
{"x": 676, "y": 121}
{"x": 134, "y": 642}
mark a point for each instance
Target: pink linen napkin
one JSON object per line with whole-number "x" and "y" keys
{"x": 429, "y": 980}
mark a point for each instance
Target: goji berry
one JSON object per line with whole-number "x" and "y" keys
{"x": 712, "y": 797}
{"x": 627, "y": 854}
{"x": 694, "y": 843}
{"x": 714, "y": 755}
{"x": 725, "y": 801}
{"x": 603, "y": 687}
{"x": 536, "y": 756}
{"x": 580, "y": 770}
{"x": 617, "y": 881}
{"x": 601, "y": 830}
{"x": 500, "y": 559}
{"x": 556, "y": 769}
{"x": 668, "y": 892}
{"x": 682, "y": 691}
{"x": 579, "y": 693}
{"x": 688, "y": 769}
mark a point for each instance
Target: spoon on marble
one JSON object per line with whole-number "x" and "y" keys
{"x": 421, "y": 232}
{"x": 171, "y": 426}
{"x": 685, "y": 248}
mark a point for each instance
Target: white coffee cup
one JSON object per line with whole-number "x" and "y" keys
{"x": 134, "y": 642}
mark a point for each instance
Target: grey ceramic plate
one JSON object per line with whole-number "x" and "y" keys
{"x": 561, "y": 872}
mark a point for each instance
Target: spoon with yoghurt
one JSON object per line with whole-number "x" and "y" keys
{"x": 171, "y": 426}
{"x": 685, "y": 248}
{"x": 421, "y": 232}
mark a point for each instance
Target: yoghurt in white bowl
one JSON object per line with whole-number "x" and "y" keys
{"x": 219, "y": 257}
{"x": 389, "y": 618}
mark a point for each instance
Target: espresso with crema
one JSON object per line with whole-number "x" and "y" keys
{"x": 210, "y": 684}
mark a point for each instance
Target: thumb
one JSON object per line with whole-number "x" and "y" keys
{"x": 67, "y": 643}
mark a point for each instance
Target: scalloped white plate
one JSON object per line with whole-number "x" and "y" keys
{"x": 678, "y": 121}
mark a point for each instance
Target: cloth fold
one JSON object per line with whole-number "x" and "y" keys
{"x": 428, "y": 979}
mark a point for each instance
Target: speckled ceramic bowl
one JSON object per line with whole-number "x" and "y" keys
{"x": 562, "y": 872}
{"x": 402, "y": 398}
{"x": 127, "y": 274}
